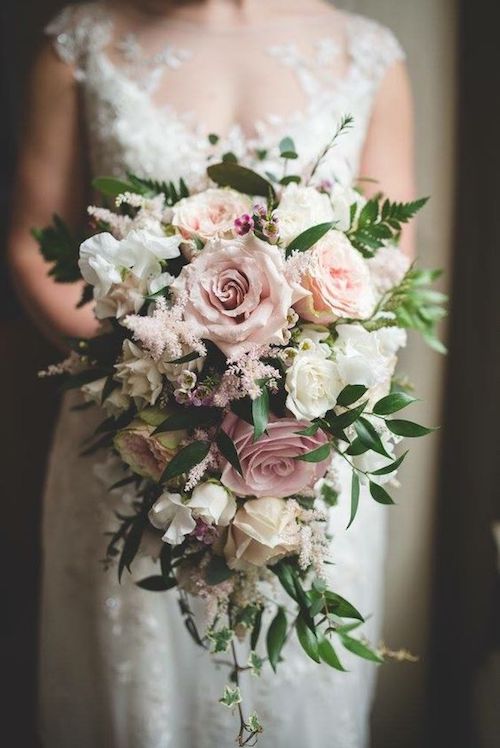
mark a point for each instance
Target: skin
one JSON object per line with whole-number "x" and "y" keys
{"x": 52, "y": 167}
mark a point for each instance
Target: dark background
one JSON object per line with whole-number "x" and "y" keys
{"x": 466, "y": 610}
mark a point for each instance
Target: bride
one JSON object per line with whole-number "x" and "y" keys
{"x": 157, "y": 87}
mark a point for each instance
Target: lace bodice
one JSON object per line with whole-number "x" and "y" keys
{"x": 154, "y": 95}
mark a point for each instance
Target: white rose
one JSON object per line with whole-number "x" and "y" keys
{"x": 313, "y": 385}
{"x": 107, "y": 264}
{"x": 115, "y": 403}
{"x": 263, "y": 531}
{"x": 213, "y": 503}
{"x": 138, "y": 374}
{"x": 210, "y": 213}
{"x": 169, "y": 513}
{"x": 299, "y": 209}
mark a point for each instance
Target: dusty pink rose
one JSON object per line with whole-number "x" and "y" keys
{"x": 237, "y": 294}
{"x": 269, "y": 466}
{"x": 339, "y": 281}
{"x": 210, "y": 213}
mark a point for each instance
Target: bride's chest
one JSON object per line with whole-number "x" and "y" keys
{"x": 167, "y": 119}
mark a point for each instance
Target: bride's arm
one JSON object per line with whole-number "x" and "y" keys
{"x": 50, "y": 179}
{"x": 388, "y": 153}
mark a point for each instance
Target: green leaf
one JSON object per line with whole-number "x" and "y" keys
{"x": 276, "y": 636}
{"x": 351, "y": 394}
{"x": 229, "y": 158}
{"x": 166, "y": 561}
{"x": 185, "y": 460}
{"x": 231, "y": 697}
{"x": 309, "y": 237}
{"x": 359, "y": 649}
{"x": 185, "y": 359}
{"x": 131, "y": 544}
{"x": 287, "y": 146}
{"x": 380, "y": 494}
{"x": 309, "y": 431}
{"x": 217, "y": 571}
{"x": 156, "y": 584}
{"x": 307, "y": 639}
{"x": 391, "y": 467}
{"x": 328, "y": 654}
{"x": 228, "y": 450}
{"x": 368, "y": 435}
{"x": 356, "y": 448}
{"x": 260, "y": 412}
{"x": 112, "y": 187}
{"x": 285, "y": 575}
{"x": 221, "y": 639}
{"x": 342, "y": 607}
{"x": 392, "y": 403}
{"x": 316, "y": 455}
{"x": 354, "y": 498}
{"x": 407, "y": 428}
{"x": 240, "y": 179}
{"x": 346, "y": 419}
{"x": 257, "y": 625}
{"x": 213, "y": 139}
{"x": 291, "y": 178}
{"x": 61, "y": 249}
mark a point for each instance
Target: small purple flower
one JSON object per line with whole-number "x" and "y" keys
{"x": 244, "y": 224}
{"x": 204, "y": 533}
{"x": 326, "y": 185}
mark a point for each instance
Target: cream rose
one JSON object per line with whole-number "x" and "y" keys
{"x": 145, "y": 452}
{"x": 313, "y": 385}
{"x": 339, "y": 282}
{"x": 263, "y": 531}
{"x": 299, "y": 209}
{"x": 210, "y": 213}
{"x": 237, "y": 294}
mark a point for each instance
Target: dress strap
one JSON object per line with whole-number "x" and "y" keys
{"x": 78, "y": 30}
{"x": 373, "y": 48}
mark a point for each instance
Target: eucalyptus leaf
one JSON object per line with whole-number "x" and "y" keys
{"x": 240, "y": 178}
{"x": 276, "y": 637}
{"x": 185, "y": 460}
{"x": 307, "y": 639}
{"x": 309, "y": 237}
{"x": 407, "y": 428}
{"x": 380, "y": 494}
{"x": 392, "y": 403}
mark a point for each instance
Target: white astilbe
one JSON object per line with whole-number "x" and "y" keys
{"x": 198, "y": 471}
{"x": 165, "y": 333}
{"x": 118, "y": 225}
{"x": 313, "y": 543}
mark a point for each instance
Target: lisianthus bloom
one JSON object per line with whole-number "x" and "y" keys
{"x": 299, "y": 209}
{"x": 269, "y": 465}
{"x": 263, "y": 531}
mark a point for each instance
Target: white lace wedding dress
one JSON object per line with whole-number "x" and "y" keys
{"x": 118, "y": 668}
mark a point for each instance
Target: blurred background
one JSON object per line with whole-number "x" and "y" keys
{"x": 443, "y": 591}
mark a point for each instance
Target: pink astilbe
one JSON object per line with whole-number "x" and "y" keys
{"x": 165, "y": 333}
{"x": 210, "y": 462}
{"x": 249, "y": 369}
{"x": 313, "y": 542}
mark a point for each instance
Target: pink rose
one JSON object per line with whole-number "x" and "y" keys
{"x": 237, "y": 294}
{"x": 339, "y": 281}
{"x": 210, "y": 213}
{"x": 269, "y": 465}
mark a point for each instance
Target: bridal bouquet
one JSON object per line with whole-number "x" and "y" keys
{"x": 249, "y": 336}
